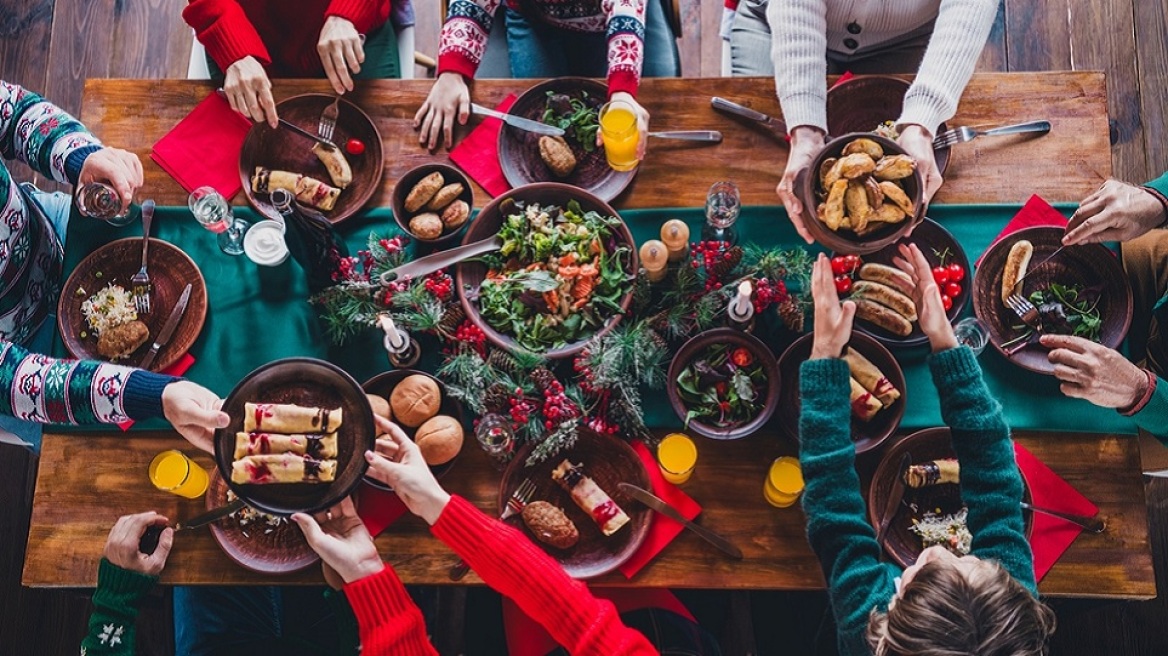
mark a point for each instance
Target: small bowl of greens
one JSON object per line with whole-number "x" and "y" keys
{"x": 724, "y": 384}
{"x": 563, "y": 277}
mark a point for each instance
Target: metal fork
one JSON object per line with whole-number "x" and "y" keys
{"x": 1025, "y": 310}
{"x": 328, "y": 120}
{"x": 964, "y": 134}
{"x": 141, "y": 280}
{"x": 519, "y": 498}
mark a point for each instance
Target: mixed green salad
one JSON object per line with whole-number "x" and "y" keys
{"x": 579, "y": 118}
{"x": 725, "y": 386}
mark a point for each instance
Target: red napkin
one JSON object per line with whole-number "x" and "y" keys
{"x": 662, "y": 530}
{"x": 1036, "y": 212}
{"x": 177, "y": 369}
{"x": 478, "y": 153}
{"x": 378, "y": 508}
{"x": 203, "y": 149}
{"x": 1051, "y": 535}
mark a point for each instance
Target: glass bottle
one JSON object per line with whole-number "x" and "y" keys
{"x": 312, "y": 241}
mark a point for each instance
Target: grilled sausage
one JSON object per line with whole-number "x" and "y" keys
{"x": 882, "y": 317}
{"x": 886, "y": 296}
{"x": 1016, "y": 264}
{"x": 886, "y": 275}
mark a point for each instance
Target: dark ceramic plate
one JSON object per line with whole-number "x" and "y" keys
{"x": 519, "y": 149}
{"x": 866, "y": 101}
{"x": 609, "y": 461}
{"x": 867, "y": 435}
{"x": 1089, "y": 265}
{"x": 284, "y": 150}
{"x": 170, "y": 271}
{"x": 307, "y": 382}
{"x": 930, "y": 444}
{"x": 257, "y": 546}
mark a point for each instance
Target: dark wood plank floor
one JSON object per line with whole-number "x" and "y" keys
{"x": 53, "y": 45}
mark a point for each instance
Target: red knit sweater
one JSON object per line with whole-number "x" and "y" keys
{"x": 512, "y": 565}
{"x": 280, "y": 34}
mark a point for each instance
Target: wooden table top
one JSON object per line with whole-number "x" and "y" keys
{"x": 1065, "y": 165}
{"x": 86, "y": 482}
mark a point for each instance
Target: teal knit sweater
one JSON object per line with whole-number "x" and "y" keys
{"x": 837, "y": 526}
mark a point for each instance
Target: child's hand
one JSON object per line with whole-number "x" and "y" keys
{"x": 833, "y": 321}
{"x": 930, "y": 312}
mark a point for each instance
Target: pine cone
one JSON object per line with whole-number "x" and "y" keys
{"x": 452, "y": 318}
{"x": 497, "y": 398}
{"x": 727, "y": 260}
{"x": 792, "y": 314}
{"x": 502, "y": 361}
{"x": 543, "y": 378}
{"x": 656, "y": 338}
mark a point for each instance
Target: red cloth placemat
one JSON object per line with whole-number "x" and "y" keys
{"x": 203, "y": 149}
{"x": 478, "y": 153}
{"x": 1036, "y": 212}
{"x": 663, "y": 530}
{"x": 177, "y": 369}
{"x": 1051, "y": 535}
{"x": 378, "y": 508}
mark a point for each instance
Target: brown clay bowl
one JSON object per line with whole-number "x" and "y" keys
{"x": 845, "y": 241}
{"x": 469, "y": 275}
{"x": 519, "y": 149}
{"x": 170, "y": 271}
{"x": 902, "y": 545}
{"x": 307, "y": 382}
{"x": 257, "y": 546}
{"x": 402, "y": 189}
{"x": 866, "y": 435}
{"x": 282, "y": 149}
{"x": 607, "y": 460}
{"x": 866, "y": 101}
{"x": 1089, "y": 265}
{"x": 382, "y": 385}
{"x": 693, "y": 349}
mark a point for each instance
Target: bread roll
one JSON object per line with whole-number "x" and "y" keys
{"x": 440, "y": 439}
{"x": 380, "y": 406}
{"x": 1016, "y": 264}
{"x": 415, "y": 399}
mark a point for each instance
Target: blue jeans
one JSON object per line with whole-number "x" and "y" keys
{"x": 540, "y": 50}
{"x": 248, "y": 620}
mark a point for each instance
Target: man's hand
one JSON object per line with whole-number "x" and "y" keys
{"x": 918, "y": 143}
{"x": 341, "y": 51}
{"x": 119, "y": 168}
{"x": 806, "y": 142}
{"x": 1094, "y": 372}
{"x": 449, "y": 99}
{"x": 194, "y": 412}
{"x": 833, "y": 321}
{"x": 249, "y": 91}
{"x": 1117, "y": 211}
{"x": 398, "y": 463}
{"x": 341, "y": 540}
{"x": 121, "y": 547}
{"x": 642, "y": 115}
{"x": 931, "y": 315}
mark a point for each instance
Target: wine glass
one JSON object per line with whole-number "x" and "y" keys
{"x": 723, "y": 203}
{"x": 213, "y": 212}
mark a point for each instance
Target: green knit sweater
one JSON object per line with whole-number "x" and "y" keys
{"x": 1153, "y": 416}
{"x": 837, "y": 526}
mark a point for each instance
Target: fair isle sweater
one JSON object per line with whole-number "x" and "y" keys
{"x": 803, "y": 30}
{"x": 55, "y": 145}
{"x": 468, "y": 23}
{"x": 837, "y": 528}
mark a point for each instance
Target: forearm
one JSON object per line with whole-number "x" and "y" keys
{"x": 365, "y": 15}
{"x": 115, "y": 607}
{"x": 464, "y": 36}
{"x": 49, "y": 140}
{"x": 387, "y": 619}
{"x": 225, "y": 31}
{"x": 1153, "y": 415}
{"x": 799, "y": 53}
{"x": 626, "y": 45}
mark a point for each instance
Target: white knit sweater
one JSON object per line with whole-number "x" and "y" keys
{"x": 803, "y": 30}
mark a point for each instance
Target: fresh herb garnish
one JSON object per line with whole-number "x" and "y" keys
{"x": 579, "y": 118}
{"x": 1069, "y": 310}
{"x": 723, "y": 386}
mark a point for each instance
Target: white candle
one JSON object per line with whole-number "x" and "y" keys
{"x": 396, "y": 341}
{"x": 741, "y": 309}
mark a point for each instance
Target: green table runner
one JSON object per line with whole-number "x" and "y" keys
{"x": 256, "y": 316}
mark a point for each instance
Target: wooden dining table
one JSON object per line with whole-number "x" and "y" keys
{"x": 86, "y": 481}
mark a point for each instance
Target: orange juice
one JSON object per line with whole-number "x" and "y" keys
{"x": 784, "y": 482}
{"x": 618, "y": 126}
{"x": 677, "y": 455}
{"x": 173, "y": 472}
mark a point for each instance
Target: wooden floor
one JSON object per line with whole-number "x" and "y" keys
{"x": 53, "y": 45}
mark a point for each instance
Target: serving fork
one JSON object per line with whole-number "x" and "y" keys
{"x": 141, "y": 280}
{"x": 964, "y": 134}
{"x": 515, "y": 504}
{"x": 328, "y": 120}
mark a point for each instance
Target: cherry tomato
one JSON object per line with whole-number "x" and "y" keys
{"x": 854, "y": 262}
{"x": 956, "y": 272}
{"x": 839, "y": 265}
{"x": 741, "y": 357}
{"x": 946, "y": 302}
{"x": 354, "y": 147}
{"x": 952, "y": 290}
{"x": 941, "y": 275}
{"x": 721, "y": 388}
{"x": 843, "y": 284}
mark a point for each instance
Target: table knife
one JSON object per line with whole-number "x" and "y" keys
{"x": 894, "y": 499}
{"x": 442, "y": 259}
{"x": 776, "y": 126}
{"x": 707, "y": 136}
{"x": 291, "y": 126}
{"x": 669, "y": 511}
{"x": 1041, "y": 264}
{"x": 518, "y": 121}
{"x": 168, "y": 328}
{"x": 149, "y": 540}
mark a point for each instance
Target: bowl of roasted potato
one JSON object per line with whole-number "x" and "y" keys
{"x": 860, "y": 194}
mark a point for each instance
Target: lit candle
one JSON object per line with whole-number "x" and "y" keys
{"x": 741, "y": 309}
{"x": 675, "y": 234}
{"x": 654, "y": 257}
{"x": 396, "y": 341}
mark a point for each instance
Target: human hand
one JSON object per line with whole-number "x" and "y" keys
{"x": 806, "y": 142}
{"x": 118, "y": 168}
{"x": 121, "y": 547}
{"x": 918, "y": 144}
{"x": 449, "y": 98}
{"x": 1117, "y": 211}
{"x": 194, "y": 411}
{"x": 931, "y": 315}
{"x": 642, "y": 115}
{"x": 398, "y": 463}
{"x": 833, "y": 320}
{"x": 249, "y": 91}
{"x": 1094, "y": 372}
{"x": 342, "y": 541}
{"x": 341, "y": 51}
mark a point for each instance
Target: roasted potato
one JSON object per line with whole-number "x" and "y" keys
{"x": 894, "y": 193}
{"x": 856, "y": 165}
{"x": 829, "y": 172}
{"x": 875, "y": 193}
{"x": 895, "y": 167}
{"x": 866, "y": 146}
{"x": 833, "y": 211}
{"x": 887, "y": 213}
{"x": 856, "y": 201}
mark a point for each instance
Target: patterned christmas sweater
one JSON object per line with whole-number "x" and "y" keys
{"x": 53, "y": 144}
{"x": 468, "y": 22}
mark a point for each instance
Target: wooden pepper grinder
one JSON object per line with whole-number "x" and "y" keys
{"x": 675, "y": 234}
{"x": 655, "y": 258}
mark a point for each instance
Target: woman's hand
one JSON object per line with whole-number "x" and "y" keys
{"x": 399, "y": 464}
{"x": 833, "y": 321}
{"x": 119, "y": 168}
{"x": 931, "y": 315}
{"x": 1094, "y": 372}
{"x": 918, "y": 143}
{"x": 194, "y": 411}
{"x": 341, "y": 540}
{"x": 449, "y": 98}
{"x": 806, "y": 142}
{"x": 249, "y": 91}
{"x": 341, "y": 51}
{"x": 1117, "y": 211}
{"x": 121, "y": 547}
{"x": 642, "y": 115}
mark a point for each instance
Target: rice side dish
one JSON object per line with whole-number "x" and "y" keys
{"x": 110, "y": 307}
{"x": 949, "y": 531}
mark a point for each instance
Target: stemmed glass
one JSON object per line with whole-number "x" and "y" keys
{"x": 213, "y": 212}
{"x": 723, "y": 204}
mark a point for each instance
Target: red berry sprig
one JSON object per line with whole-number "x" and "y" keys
{"x": 468, "y": 333}
{"x": 440, "y": 285}
{"x": 557, "y": 408}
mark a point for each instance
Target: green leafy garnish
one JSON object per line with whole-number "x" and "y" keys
{"x": 579, "y": 118}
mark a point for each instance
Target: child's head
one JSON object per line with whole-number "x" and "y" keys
{"x": 954, "y": 606}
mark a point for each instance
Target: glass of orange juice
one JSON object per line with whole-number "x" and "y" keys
{"x": 784, "y": 482}
{"x": 172, "y": 471}
{"x": 677, "y": 455}
{"x": 618, "y": 126}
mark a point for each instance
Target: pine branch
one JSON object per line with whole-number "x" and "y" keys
{"x": 563, "y": 437}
